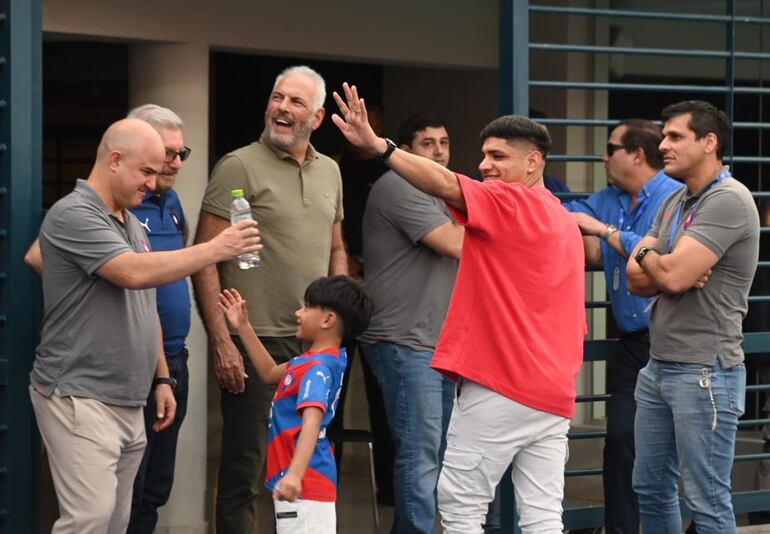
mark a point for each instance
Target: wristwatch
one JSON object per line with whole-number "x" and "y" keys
{"x": 642, "y": 253}
{"x": 611, "y": 228}
{"x": 164, "y": 380}
{"x": 383, "y": 156}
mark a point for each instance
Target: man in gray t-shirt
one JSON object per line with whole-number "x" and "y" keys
{"x": 699, "y": 260}
{"x": 100, "y": 344}
{"x": 411, "y": 249}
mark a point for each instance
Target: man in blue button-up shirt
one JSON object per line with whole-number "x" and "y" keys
{"x": 613, "y": 221}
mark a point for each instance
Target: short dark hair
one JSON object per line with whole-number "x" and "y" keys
{"x": 518, "y": 128}
{"x": 416, "y": 123}
{"x": 346, "y": 297}
{"x": 705, "y": 118}
{"x": 645, "y": 135}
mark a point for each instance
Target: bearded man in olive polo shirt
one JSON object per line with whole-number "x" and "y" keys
{"x": 296, "y": 197}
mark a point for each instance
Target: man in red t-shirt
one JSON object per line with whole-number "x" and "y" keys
{"x": 513, "y": 335}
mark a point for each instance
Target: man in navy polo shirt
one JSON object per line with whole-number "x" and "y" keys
{"x": 161, "y": 215}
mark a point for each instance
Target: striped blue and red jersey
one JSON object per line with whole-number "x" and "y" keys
{"x": 311, "y": 379}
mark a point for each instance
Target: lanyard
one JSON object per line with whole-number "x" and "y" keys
{"x": 691, "y": 212}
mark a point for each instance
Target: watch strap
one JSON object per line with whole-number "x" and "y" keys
{"x": 383, "y": 156}
{"x": 164, "y": 380}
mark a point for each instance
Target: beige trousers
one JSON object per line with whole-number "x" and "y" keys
{"x": 94, "y": 450}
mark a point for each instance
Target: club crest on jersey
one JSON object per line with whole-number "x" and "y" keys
{"x": 288, "y": 380}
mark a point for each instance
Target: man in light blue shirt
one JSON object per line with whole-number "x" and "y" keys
{"x": 613, "y": 221}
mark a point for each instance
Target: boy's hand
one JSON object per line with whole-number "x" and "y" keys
{"x": 234, "y": 307}
{"x": 288, "y": 488}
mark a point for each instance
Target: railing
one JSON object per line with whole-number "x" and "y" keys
{"x": 515, "y": 86}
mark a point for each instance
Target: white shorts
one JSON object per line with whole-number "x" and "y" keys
{"x": 305, "y": 517}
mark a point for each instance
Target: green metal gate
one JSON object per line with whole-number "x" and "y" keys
{"x": 516, "y": 49}
{"x": 20, "y": 210}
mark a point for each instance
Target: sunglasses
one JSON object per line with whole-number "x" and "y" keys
{"x": 183, "y": 154}
{"x": 611, "y": 148}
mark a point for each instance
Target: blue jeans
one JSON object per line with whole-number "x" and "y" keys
{"x": 155, "y": 477}
{"x": 418, "y": 405}
{"x": 686, "y": 418}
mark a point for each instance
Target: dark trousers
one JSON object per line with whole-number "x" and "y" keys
{"x": 244, "y": 438}
{"x": 155, "y": 477}
{"x": 621, "y": 513}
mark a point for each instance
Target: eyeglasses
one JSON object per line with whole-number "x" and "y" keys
{"x": 183, "y": 154}
{"x": 611, "y": 148}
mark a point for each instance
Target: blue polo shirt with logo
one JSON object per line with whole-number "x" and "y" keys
{"x": 163, "y": 221}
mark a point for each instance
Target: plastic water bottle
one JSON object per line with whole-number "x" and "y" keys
{"x": 240, "y": 210}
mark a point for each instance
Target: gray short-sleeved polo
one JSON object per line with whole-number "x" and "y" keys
{"x": 410, "y": 283}
{"x": 98, "y": 340}
{"x": 701, "y": 325}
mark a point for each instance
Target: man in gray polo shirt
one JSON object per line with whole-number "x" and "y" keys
{"x": 699, "y": 260}
{"x": 411, "y": 248}
{"x": 100, "y": 344}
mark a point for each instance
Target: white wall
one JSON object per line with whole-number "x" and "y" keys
{"x": 426, "y": 32}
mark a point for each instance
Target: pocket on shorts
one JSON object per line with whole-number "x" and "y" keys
{"x": 462, "y": 460}
{"x": 287, "y": 518}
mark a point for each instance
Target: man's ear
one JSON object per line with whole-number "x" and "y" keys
{"x": 711, "y": 142}
{"x": 534, "y": 160}
{"x": 318, "y": 118}
{"x": 114, "y": 159}
{"x": 405, "y": 148}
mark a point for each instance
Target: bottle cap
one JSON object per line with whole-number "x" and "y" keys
{"x": 237, "y": 193}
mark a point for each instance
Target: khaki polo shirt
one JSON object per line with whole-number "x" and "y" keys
{"x": 296, "y": 206}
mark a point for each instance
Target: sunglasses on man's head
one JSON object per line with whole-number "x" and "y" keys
{"x": 183, "y": 154}
{"x": 611, "y": 148}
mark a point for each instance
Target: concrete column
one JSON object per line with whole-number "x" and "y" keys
{"x": 177, "y": 76}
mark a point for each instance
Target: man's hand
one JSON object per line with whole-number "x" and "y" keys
{"x": 234, "y": 308}
{"x": 235, "y": 240}
{"x": 355, "y": 124}
{"x": 703, "y": 279}
{"x": 228, "y": 366}
{"x": 287, "y": 488}
{"x": 588, "y": 225}
{"x": 165, "y": 407}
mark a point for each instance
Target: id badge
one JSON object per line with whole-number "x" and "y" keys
{"x": 616, "y": 278}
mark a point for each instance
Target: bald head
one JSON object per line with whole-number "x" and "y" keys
{"x": 129, "y": 158}
{"x": 131, "y": 137}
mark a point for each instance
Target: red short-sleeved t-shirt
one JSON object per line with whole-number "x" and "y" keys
{"x": 516, "y": 321}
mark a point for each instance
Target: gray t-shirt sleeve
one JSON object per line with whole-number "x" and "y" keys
{"x": 84, "y": 235}
{"x": 411, "y": 211}
{"x": 719, "y": 221}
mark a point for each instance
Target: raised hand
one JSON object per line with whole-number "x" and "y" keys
{"x": 354, "y": 122}
{"x": 234, "y": 308}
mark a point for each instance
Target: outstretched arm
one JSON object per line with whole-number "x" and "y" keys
{"x": 424, "y": 174}
{"x": 234, "y": 308}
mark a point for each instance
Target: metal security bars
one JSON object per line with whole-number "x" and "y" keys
{"x": 20, "y": 193}
{"x": 516, "y": 90}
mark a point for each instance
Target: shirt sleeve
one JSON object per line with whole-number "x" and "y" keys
{"x": 486, "y": 203}
{"x": 584, "y": 205}
{"x": 411, "y": 211}
{"x": 655, "y": 227}
{"x": 315, "y": 388}
{"x": 720, "y": 220}
{"x": 84, "y": 236}
{"x": 629, "y": 240}
{"x": 228, "y": 174}
{"x": 340, "y": 213}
